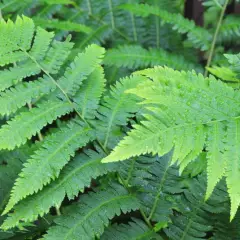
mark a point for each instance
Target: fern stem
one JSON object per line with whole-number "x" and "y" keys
{"x": 215, "y": 37}
{"x": 135, "y": 37}
{"x": 158, "y": 192}
{"x": 122, "y": 181}
{"x": 58, "y": 211}
{"x": 40, "y": 137}
{"x": 111, "y": 13}
{"x": 89, "y": 7}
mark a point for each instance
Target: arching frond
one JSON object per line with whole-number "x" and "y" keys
{"x": 89, "y": 217}
{"x": 45, "y": 164}
{"x": 134, "y": 57}
{"x": 177, "y": 122}
{"x": 82, "y": 169}
{"x": 199, "y": 37}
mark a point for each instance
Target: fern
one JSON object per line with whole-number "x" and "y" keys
{"x": 64, "y": 106}
{"x": 135, "y": 229}
{"x": 199, "y": 37}
{"x": 193, "y": 222}
{"x": 134, "y": 57}
{"x": 81, "y": 169}
{"x": 62, "y": 25}
{"x": 117, "y": 108}
{"x": 176, "y": 113}
{"x": 94, "y": 212}
{"x": 42, "y": 166}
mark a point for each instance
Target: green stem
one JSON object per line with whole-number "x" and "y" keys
{"x": 58, "y": 211}
{"x": 141, "y": 210}
{"x": 215, "y": 37}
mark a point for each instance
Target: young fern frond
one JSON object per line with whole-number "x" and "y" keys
{"x": 89, "y": 217}
{"x": 134, "y": 57}
{"x": 175, "y": 98}
{"x": 82, "y": 169}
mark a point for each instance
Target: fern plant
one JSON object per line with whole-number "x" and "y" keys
{"x": 71, "y": 111}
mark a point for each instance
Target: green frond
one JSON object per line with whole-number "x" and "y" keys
{"x": 10, "y": 166}
{"x": 230, "y": 29}
{"x": 45, "y": 164}
{"x": 16, "y": 97}
{"x": 96, "y": 36}
{"x": 88, "y": 96}
{"x": 199, "y": 37}
{"x": 26, "y": 124}
{"x": 88, "y": 218}
{"x": 225, "y": 230}
{"x": 232, "y": 157}
{"x": 134, "y": 57}
{"x": 62, "y": 25}
{"x": 41, "y": 43}
{"x": 234, "y": 60}
{"x": 52, "y": 2}
{"x": 216, "y": 164}
{"x": 194, "y": 218}
{"x": 116, "y": 109}
{"x": 135, "y": 229}
{"x": 81, "y": 170}
{"x": 82, "y": 66}
{"x": 224, "y": 73}
{"x": 13, "y": 75}
{"x": 185, "y": 107}
{"x": 16, "y": 36}
{"x": 155, "y": 180}
{"x": 56, "y": 56}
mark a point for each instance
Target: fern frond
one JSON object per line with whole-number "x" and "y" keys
{"x": 134, "y": 57}
{"x": 10, "y": 165}
{"x": 116, "y": 109}
{"x": 199, "y": 37}
{"x": 155, "y": 180}
{"x": 82, "y": 169}
{"x": 45, "y": 164}
{"x": 135, "y": 229}
{"x": 56, "y": 56}
{"x": 224, "y": 73}
{"x": 12, "y": 76}
{"x": 194, "y": 218}
{"x": 23, "y": 93}
{"x": 230, "y": 29}
{"x": 89, "y": 217}
{"x": 225, "y": 230}
{"x": 31, "y": 122}
{"x": 175, "y": 122}
{"x": 232, "y": 163}
{"x": 41, "y": 43}
{"x": 88, "y": 96}
{"x": 15, "y": 37}
{"x": 83, "y": 65}
{"x": 62, "y": 25}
